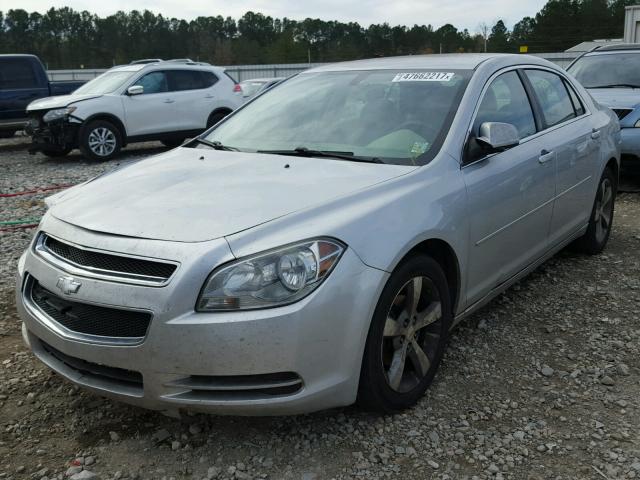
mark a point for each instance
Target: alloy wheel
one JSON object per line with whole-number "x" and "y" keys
{"x": 603, "y": 213}
{"x": 411, "y": 334}
{"x": 102, "y": 141}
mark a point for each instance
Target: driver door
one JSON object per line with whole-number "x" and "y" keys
{"x": 510, "y": 193}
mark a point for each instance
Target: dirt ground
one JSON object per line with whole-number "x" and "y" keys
{"x": 543, "y": 383}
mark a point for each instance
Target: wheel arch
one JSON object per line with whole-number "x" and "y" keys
{"x": 109, "y": 117}
{"x": 225, "y": 110}
{"x": 443, "y": 253}
{"x": 612, "y": 163}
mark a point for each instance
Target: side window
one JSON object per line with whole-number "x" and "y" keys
{"x": 185, "y": 80}
{"x": 154, "y": 82}
{"x": 208, "y": 79}
{"x": 506, "y": 101}
{"x": 17, "y": 73}
{"x": 552, "y": 95}
{"x": 577, "y": 104}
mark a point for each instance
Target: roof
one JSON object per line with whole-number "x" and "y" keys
{"x": 591, "y": 45}
{"x": 617, "y": 47}
{"x": 455, "y": 61}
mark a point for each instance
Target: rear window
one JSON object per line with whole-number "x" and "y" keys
{"x": 208, "y": 79}
{"x": 551, "y": 91}
{"x": 17, "y": 73}
{"x": 185, "y": 80}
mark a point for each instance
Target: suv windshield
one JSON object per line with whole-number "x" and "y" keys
{"x": 607, "y": 70}
{"x": 399, "y": 117}
{"x": 108, "y": 82}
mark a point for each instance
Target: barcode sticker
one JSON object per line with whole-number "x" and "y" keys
{"x": 424, "y": 77}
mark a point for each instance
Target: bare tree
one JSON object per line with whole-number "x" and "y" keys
{"x": 484, "y": 30}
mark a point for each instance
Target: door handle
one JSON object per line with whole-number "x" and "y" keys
{"x": 546, "y": 156}
{"x": 595, "y": 134}
{"x": 209, "y": 96}
{"x": 168, "y": 100}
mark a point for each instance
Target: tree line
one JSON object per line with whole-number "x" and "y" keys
{"x": 66, "y": 38}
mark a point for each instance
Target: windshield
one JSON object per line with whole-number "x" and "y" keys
{"x": 108, "y": 82}
{"x": 398, "y": 117}
{"x": 607, "y": 70}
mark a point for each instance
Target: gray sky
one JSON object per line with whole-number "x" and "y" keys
{"x": 461, "y": 13}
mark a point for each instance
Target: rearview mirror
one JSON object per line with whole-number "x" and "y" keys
{"x": 498, "y": 136}
{"x": 135, "y": 90}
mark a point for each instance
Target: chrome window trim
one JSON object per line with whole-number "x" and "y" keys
{"x": 64, "y": 332}
{"x": 587, "y": 111}
{"x": 72, "y": 268}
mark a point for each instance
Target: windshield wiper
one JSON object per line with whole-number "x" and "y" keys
{"x": 306, "y": 152}
{"x": 618, "y": 85}
{"x": 216, "y": 145}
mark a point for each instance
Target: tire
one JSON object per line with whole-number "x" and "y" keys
{"x": 173, "y": 143}
{"x": 392, "y": 330}
{"x": 100, "y": 140}
{"x": 595, "y": 238}
{"x": 7, "y": 133}
{"x": 56, "y": 153}
{"x": 215, "y": 117}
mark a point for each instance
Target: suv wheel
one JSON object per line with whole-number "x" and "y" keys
{"x": 100, "y": 140}
{"x": 601, "y": 220}
{"x": 407, "y": 337}
{"x": 215, "y": 117}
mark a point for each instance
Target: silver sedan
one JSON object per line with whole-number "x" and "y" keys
{"x": 316, "y": 247}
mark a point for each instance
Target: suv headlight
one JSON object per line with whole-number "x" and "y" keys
{"x": 57, "y": 114}
{"x": 270, "y": 279}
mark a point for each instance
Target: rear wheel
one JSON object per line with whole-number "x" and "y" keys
{"x": 100, "y": 140}
{"x": 215, "y": 117}
{"x": 601, "y": 221}
{"x": 407, "y": 337}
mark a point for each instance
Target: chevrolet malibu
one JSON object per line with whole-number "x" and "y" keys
{"x": 316, "y": 247}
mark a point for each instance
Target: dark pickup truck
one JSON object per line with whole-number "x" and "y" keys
{"x": 23, "y": 79}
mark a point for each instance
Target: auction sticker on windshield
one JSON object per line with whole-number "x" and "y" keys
{"x": 424, "y": 77}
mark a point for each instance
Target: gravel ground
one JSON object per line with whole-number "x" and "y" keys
{"x": 543, "y": 383}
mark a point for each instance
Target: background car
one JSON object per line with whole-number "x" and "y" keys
{"x": 166, "y": 100}
{"x": 23, "y": 79}
{"x": 254, "y": 86}
{"x": 611, "y": 74}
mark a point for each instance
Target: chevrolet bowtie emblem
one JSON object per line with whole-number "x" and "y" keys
{"x": 68, "y": 285}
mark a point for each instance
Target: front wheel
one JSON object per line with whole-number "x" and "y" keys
{"x": 100, "y": 140}
{"x": 601, "y": 220}
{"x": 407, "y": 337}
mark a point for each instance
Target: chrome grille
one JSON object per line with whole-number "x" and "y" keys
{"x": 85, "y": 261}
{"x": 86, "y": 319}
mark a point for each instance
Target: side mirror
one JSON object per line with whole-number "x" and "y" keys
{"x": 498, "y": 136}
{"x": 135, "y": 90}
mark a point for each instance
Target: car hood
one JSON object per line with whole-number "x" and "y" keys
{"x": 58, "y": 102}
{"x": 616, "y": 97}
{"x": 193, "y": 195}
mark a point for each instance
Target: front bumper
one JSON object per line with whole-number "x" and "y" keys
{"x": 55, "y": 136}
{"x": 212, "y": 362}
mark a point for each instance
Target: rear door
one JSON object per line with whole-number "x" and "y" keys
{"x": 20, "y": 84}
{"x": 154, "y": 111}
{"x": 569, "y": 134}
{"x": 195, "y": 96}
{"x": 510, "y": 193}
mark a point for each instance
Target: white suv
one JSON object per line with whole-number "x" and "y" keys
{"x": 162, "y": 100}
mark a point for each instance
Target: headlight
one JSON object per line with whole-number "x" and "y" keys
{"x": 57, "y": 114}
{"x": 270, "y": 279}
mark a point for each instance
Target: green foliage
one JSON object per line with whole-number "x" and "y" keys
{"x": 65, "y": 38}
